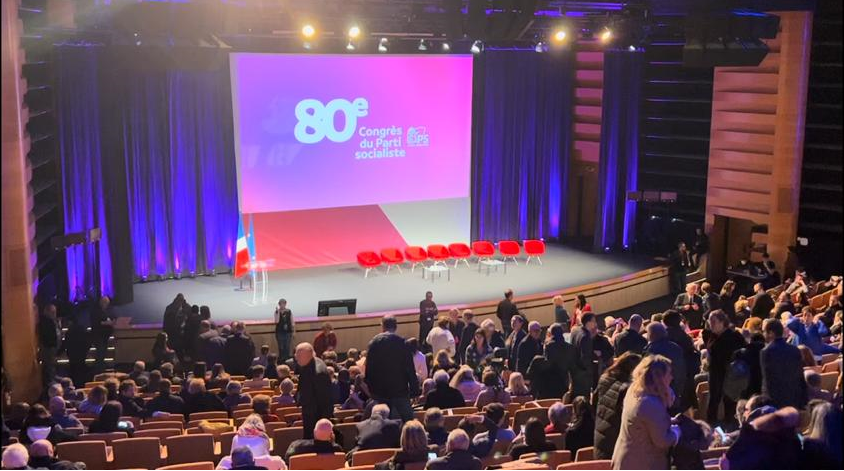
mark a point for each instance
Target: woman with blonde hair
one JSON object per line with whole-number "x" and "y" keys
{"x": 561, "y": 316}
{"x": 464, "y": 381}
{"x": 414, "y": 447}
{"x": 646, "y": 430}
{"x": 253, "y": 434}
{"x": 516, "y": 386}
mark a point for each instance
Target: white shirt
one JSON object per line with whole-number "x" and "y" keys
{"x": 421, "y": 366}
{"x": 441, "y": 339}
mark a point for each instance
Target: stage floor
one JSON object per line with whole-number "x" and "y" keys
{"x": 562, "y": 267}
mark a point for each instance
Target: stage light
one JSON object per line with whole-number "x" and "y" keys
{"x": 606, "y": 35}
{"x": 477, "y": 47}
{"x": 354, "y": 32}
{"x": 350, "y": 46}
{"x": 308, "y": 31}
{"x": 382, "y": 45}
{"x": 422, "y": 45}
{"x": 560, "y": 35}
{"x": 632, "y": 48}
{"x": 446, "y": 47}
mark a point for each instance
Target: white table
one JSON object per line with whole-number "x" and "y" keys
{"x": 258, "y": 270}
{"x": 490, "y": 264}
{"x": 434, "y": 269}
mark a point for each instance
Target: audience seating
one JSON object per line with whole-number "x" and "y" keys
{"x": 495, "y": 460}
{"x": 392, "y": 258}
{"x": 226, "y": 439}
{"x": 522, "y": 416}
{"x": 363, "y": 466}
{"x": 463, "y": 410}
{"x": 242, "y": 414}
{"x": 195, "y": 465}
{"x": 713, "y": 453}
{"x": 546, "y": 402}
{"x": 501, "y": 447}
{"x": 368, "y": 261}
{"x": 137, "y": 453}
{"x": 829, "y": 381}
{"x": 585, "y": 454}
{"x": 106, "y": 437}
{"x": 509, "y": 249}
{"x": 93, "y": 453}
{"x": 593, "y": 464}
{"x": 483, "y": 249}
{"x": 318, "y": 461}
{"x": 416, "y": 256}
{"x": 373, "y": 456}
{"x": 161, "y": 424}
{"x": 439, "y": 254}
{"x": 551, "y": 458}
{"x": 450, "y": 421}
{"x": 244, "y": 407}
{"x": 831, "y": 367}
{"x": 166, "y": 418}
{"x": 460, "y": 252}
{"x": 534, "y": 249}
{"x": 350, "y": 435}
{"x": 283, "y": 437}
{"x": 195, "y": 423}
{"x": 342, "y": 414}
{"x": 160, "y": 433}
{"x": 136, "y": 421}
{"x": 829, "y": 357}
{"x": 558, "y": 439}
{"x": 190, "y": 448}
{"x": 208, "y": 415}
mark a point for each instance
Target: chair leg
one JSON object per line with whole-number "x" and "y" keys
{"x": 539, "y": 259}
{"x": 388, "y": 268}
{"x": 366, "y": 273}
{"x": 528, "y": 259}
{"x": 398, "y": 267}
{"x": 464, "y": 261}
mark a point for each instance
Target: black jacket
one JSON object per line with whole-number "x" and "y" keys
{"x": 512, "y": 343}
{"x": 302, "y": 446}
{"x": 49, "y": 335}
{"x": 539, "y": 375}
{"x": 466, "y": 338}
{"x": 610, "y": 401}
{"x": 721, "y": 349}
{"x": 240, "y": 350}
{"x": 782, "y": 374}
{"x": 389, "y": 368}
{"x": 629, "y": 341}
{"x": 528, "y": 348}
{"x": 561, "y": 360}
{"x": 314, "y": 391}
{"x": 582, "y": 373}
{"x": 762, "y": 305}
{"x": 76, "y": 343}
{"x": 170, "y": 403}
{"x": 505, "y": 311}
{"x": 133, "y": 406}
{"x": 711, "y": 302}
{"x": 376, "y": 432}
{"x": 444, "y": 397}
{"x": 693, "y": 317}
{"x": 457, "y": 459}
{"x": 751, "y": 355}
{"x": 203, "y": 402}
{"x": 673, "y": 352}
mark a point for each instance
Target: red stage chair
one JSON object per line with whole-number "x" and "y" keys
{"x": 509, "y": 249}
{"x": 391, "y": 258}
{"x": 439, "y": 253}
{"x": 534, "y": 249}
{"x": 416, "y": 256}
{"x": 368, "y": 261}
{"x": 459, "y": 252}
{"x": 483, "y": 249}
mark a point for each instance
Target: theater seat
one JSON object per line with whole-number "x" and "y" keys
{"x": 416, "y": 256}
{"x": 460, "y": 252}
{"x": 534, "y": 249}
{"x": 392, "y": 257}
{"x": 593, "y": 464}
{"x": 438, "y": 253}
{"x": 318, "y": 461}
{"x": 509, "y": 249}
{"x": 368, "y": 261}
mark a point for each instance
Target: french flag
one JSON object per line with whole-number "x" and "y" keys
{"x": 241, "y": 256}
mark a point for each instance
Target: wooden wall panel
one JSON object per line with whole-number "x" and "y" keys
{"x": 756, "y": 137}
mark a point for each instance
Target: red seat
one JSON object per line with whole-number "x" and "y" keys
{"x": 459, "y": 252}
{"x": 368, "y": 261}
{"x": 509, "y": 249}
{"x": 391, "y": 258}
{"x": 534, "y": 249}
{"x": 483, "y": 249}
{"x": 439, "y": 253}
{"x": 416, "y": 256}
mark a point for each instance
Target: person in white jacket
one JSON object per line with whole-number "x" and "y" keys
{"x": 440, "y": 338}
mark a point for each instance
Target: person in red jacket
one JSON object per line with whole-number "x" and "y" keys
{"x": 325, "y": 340}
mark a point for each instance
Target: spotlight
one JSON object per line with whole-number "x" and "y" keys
{"x": 446, "y": 47}
{"x": 477, "y": 47}
{"x": 350, "y": 46}
{"x": 606, "y": 250}
{"x": 354, "y": 32}
{"x": 632, "y": 48}
{"x": 606, "y": 35}
{"x": 382, "y": 45}
{"x": 540, "y": 47}
{"x": 559, "y": 35}
{"x": 308, "y": 31}
{"x": 422, "y": 45}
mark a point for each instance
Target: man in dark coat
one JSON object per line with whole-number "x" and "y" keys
{"x": 722, "y": 341}
{"x": 505, "y": 311}
{"x": 711, "y": 300}
{"x": 782, "y": 368}
{"x": 630, "y": 340}
{"x": 659, "y": 344}
{"x": 240, "y": 350}
{"x": 378, "y": 431}
{"x": 102, "y": 327}
{"x": 458, "y": 455}
{"x": 314, "y": 392}
{"x": 691, "y": 306}
{"x": 529, "y": 347}
{"x": 49, "y": 341}
{"x": 427, "y": 315}
{"x": 443, "y": 395}
{"x": 681, "y": 263}
{"x": 677, "y": 334}
{"x": 763, "y": 303}
{"x": 166, "y": 401}
{"x": 77, "y": 343}
{"x": 174, "y": 319}
{"x": 582, "y": 338}
{"x": 389, "y": 372}
{"x": 561, "y": 358}
{"x": 751, "y": 355}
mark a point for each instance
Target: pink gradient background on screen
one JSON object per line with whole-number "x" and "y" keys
{"x": 278, "y": 173}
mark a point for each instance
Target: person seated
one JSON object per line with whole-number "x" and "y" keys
{"x": 16, "y": 415}
{"x": 152, "y": 385}
{"x": 813, "y": 387}
{"x": 517, "y": 388}
{"x": 768, "y": 441}
{"x": 42, "y": 456}
{"x": 15, "y": 456}
{"x": 97, "y": 397}
{"x": 139, "y": 374}
{"x": 464, "y": 381}
{"x": 581, "y": 432}
{"x": 535, "y": 441}
{"x": 166, "y": 401}
{"x": 234, "y": 396}
{"x": 258, "y": 381}
{"x": 109, "y": 420}
{"x": 457, "y": 454}
{"x": 323, "y": 442}
{"x": 493, "y": 390}
{"x": 261, "y": 406}
{"x": 132, "y": 406}
{"x": 414, "y": 447}
{"x": 443, "y": 361}
{"x": 71, "y": 395}
{"x": 38, "y": 425}
{"x": 344, "y": 385}
{"x": 378, "y": 431}
{"x": 810, "y": 332}
{"x": 272, "y": 366}
{"x": 241, "y": 458}
{"x": 286, "y": 398}
{"x": 443, "y": 395}
{"x": 59, "y": 415}
{"x": 198, "y": 399}
{"x": 283, "y": 372}
{"x": 252, "y": 435}
{"x": 167, "y": 371}
{"x": 263, "y": 358}
{"x": 219, "y": 378}
{"x": 559, "y": 417}
{"x": 435, "y": 426}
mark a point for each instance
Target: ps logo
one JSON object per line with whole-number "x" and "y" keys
{"x": 316, "y": 121}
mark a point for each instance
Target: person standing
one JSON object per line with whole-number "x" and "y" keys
{"x": 660, "y": 344}
{"x": 239, "y": 351}
{"x": 325, "y": 340}
{"x": 529, "y": 347}
{"x": 722, "y": 341}
{"x": 390, "y": 373}
{"x": 427, "y": 313}
{"x": 174, "y": 320}
{"x": 440, "y": 338}
{"x": 582, "y": 338}
{"x": 102, "y": 328}
{"x": 630, "y": 339}
{"x": 456, "y": 327}
{"x": 191, "y": 332}
{"x": 561, "y": 360}
{"x": 284, "y": 329}
{"x": 701, "y": 246}
{"x": 468, "y": 333}
{"x": 681, "y": 263}
{"x": 581, "y": 307}
{"x": 505, "y": 311}
{"x": 77, "y": 343}
{"x": 517, "y": 334}
{"x": 763, "y": 303}
{"x": 314, "y": 392}
{"x": 691, "y": 306}
{"x": 49, "y": 341}
{"x": 711, "y": 300}
{"x": 561, "y": 316}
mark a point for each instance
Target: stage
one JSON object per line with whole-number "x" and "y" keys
{"x": 563, "y": 267}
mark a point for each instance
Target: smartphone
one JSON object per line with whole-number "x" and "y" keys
{"x": 523, "y": 429}
{"x": 721, "y": 434}
{"x": 432, "y": 456}
{"x": 124, "y": 424}
{"x": 800, "y": 437}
